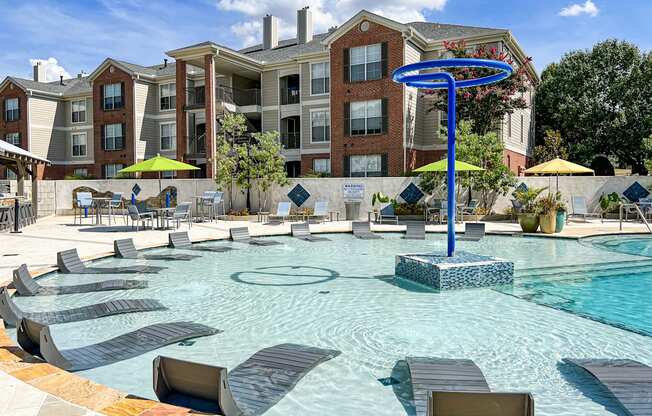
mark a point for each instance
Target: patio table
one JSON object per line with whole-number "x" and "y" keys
{"x": 160, "y": 214}
{"x": 99, "y": 202}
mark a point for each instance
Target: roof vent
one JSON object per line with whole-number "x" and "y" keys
{"x": 332, "y": 29}
{"x": 270, "y": 32}
{"x": 165, "y": 62}
{"x": 61, "y": 80}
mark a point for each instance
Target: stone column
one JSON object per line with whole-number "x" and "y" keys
{"x": 209, "y": 79}
{"x": 182, "y": 124}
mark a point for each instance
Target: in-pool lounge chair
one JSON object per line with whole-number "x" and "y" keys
{"x": 629, "y": 381}
{"x": 241, "y": 235}
{"x": 433, "y": 379}
{"x": 416, "y": 230}
{"x": 580, "y": 209}
{"x": 362, "y": 229}
{"x": 68, "y": 261}
{"x": 282, "y": 211}
{"x": 302, "y": 232}
{"x": 12, "y": 314}
{"x": 250, "y": 389}
{"x": 181, "y": 240}
{"x": 35, "y": 338}
{"x": 26, "y": 286}
{"x": 473, "y": 231}
{"x": 125, "y": 249}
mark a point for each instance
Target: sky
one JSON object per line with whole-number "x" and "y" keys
{"x": 72, "y": 36}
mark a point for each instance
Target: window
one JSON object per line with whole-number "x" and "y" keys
{"x": 522, "y": 127}
{"x": 509, "y": 125}
{"x": 443, "y": 119}
{"x": 366, "y": 62}
{"x": 79, "y": 111}
{"x": 113, "y": 137}
{"x": 113, "y": 96}
{"x": 111, "y": 170}
{"x": 320, "y": 126}
{"x": 366, "y": 165}
{"x": 81, "y": 172}
{"x": 321, "y": 165}
{"x": 12, "y": 109}
{"x": 168, "y": 174}
{"x": 320, "y": 78}
{"x": 168, "y": 93}
{"x": 366, "y": 117}
{"x": 168, "y": 136}
{"x": 79, "y": 144}
{"x": 13, "y": 138}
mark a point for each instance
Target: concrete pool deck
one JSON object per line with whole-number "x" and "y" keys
{"x": 29, "y": 387}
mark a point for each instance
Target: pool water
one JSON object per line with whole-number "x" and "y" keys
{"x": 342, "y": 295}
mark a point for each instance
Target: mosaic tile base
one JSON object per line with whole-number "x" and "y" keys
{"x": 465, "y": 270}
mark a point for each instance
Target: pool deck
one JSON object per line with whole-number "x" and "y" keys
{"x": 29, "y": 387}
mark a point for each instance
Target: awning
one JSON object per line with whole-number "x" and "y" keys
{"x": 11, "y": 153}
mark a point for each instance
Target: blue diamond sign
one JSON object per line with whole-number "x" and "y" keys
{"x": 135, "y": 189}
{"x": 298, "y": 195}
{"x": 412, "y": 194}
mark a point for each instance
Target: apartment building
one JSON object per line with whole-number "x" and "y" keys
{"x": 329, "y": 95}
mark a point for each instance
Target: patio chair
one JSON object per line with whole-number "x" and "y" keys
{"x": 205, "y": 204}
{"x": 580, "y": 209}
{"x": 470, "y": 208}
{"x": 258, "y": 383}
{"x": 83, "y": 204}
{"x": 181, "y": 213}
{"x": 387, "y": 214}
{"x": 432, "y": 210}
{"x": 218, "y": 200}
{"x": 517, "y": 207}
{"x": 320, "y": 211}
{"x": 282, "y": 211}
{"x": 116, "y": 203}
{"x": 473, "y": 231}
{"x": 140, "y": 218}
{"x": 645, "y": 204}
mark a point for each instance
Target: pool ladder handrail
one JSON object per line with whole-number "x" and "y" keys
{"x": 640, "y": 213}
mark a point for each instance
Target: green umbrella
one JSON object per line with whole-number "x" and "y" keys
{"x": 158, "y": 164}
{"x": 442, "y": 166}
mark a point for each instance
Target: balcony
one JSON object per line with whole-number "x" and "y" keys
{"x": 289, "y": 96}
{"x": 238, "y": 96}
{"x": 197, "y": 146}
{"x": 291, "y": 140}
{"x": 195, "y": 98}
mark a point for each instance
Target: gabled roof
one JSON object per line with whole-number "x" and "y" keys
{"x": 72, "y": 86}
{"x": 441, "y": 31}
{"x": 153, "y": 71}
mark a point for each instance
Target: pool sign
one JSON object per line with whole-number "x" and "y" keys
{"x": 353, "y": 191}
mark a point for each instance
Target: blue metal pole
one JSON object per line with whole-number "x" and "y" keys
{"x": 451, "y": 167}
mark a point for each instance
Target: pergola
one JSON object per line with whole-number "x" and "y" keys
{"x": 22, "y": 163}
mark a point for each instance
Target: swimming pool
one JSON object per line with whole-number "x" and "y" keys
{"x": 342, "y": 295}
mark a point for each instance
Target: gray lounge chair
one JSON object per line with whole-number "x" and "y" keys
{"x": 629, "y": 381}
{"x": 241, "y": 235}
{"x": 450, "y": 403}
{"x": 416, "y": 230}
{"x": 282, "y": 211}
{"x": 302, "y": 232}
{"x": 250, "y": 389}
{"x": 68, "y": 261}
{"x": 26, "y": 286}
{"x": 35, "y": 338}
{"x": 473, "y": 231}
{"x": 580, "y": 209}
{"x": 181, "y": 240}
{"x": 362, "y": 229}
{"x": 12, "y": 314}
{"x": 125, "y": 249}
{"x": 445, "y": 375}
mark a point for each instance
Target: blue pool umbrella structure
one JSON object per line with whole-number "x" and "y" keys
{"x": 410, "y": 75}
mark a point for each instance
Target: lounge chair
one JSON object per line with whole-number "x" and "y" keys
{"x": 580, "y": 209}
{"x": 387, "y": 214}
{"x": 241, "y": 235}
{"x": 35, "y": 338}
{"x": 140, "y": 218}
{"x": 282, "y": 211}
{"x": 181, "y": 240}
{"x": 473, "y": 231}
{"x": 416, "y": 230}
{"x": 320, "y": 212}
{"x": 125, "y": 249}
{"x": 26, "y": 286}
{"x": 302, "y": 232}
{"x": 68, "y": 261}
{"x": 250, "y": 389}
{"x": 629, "y": 381}
{"x": 12, "y": 314}
{"x": 431, "y": 376}
{"x": 362, "y": 229}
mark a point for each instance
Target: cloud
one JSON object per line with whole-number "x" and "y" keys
{"x": 325, "y": 13}
{"x": 52, "y": 68}
{"x": 578, "y": 9}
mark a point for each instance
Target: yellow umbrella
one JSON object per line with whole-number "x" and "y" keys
{"x": 558, "y": 167}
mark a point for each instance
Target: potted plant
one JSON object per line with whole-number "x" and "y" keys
{"x": 528, "y": 218}
{"x": 547, "y": 211}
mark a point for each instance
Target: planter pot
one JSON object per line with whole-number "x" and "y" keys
{"x": 548, "y": 222}
{"x": 561, "y": 220}
{"x": 529, "y": 222}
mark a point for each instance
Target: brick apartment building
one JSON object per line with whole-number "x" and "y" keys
{"x": 329, "y": 95}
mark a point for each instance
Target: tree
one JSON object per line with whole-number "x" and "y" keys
{"x": 266, "y": 165}
{"x": 554, "y": 146}
{"x": 227, "y": 153}
{"x": 599, "y": 101}
{"x": 486, "y": 105}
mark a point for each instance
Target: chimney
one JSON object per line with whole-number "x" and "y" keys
{"x": 39, "y": 72}
{"x": 270, "y": 32}
{"x": 304, "y": 25}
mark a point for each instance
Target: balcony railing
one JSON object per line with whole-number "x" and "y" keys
{"x": 289, "y": 96}
{"x": 291, "y": 140}
{"x": 197, "y": 145}
{"x": 195, "y": 97}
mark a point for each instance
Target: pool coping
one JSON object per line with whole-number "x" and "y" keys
{"x": 111, "y": 402}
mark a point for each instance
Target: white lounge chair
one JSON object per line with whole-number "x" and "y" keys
{"x": 321, "y": 211}
{"x": 282, "y": 211}
{"x": 580, "y": 209}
